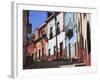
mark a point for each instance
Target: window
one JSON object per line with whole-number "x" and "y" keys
{"x": 69, "y": 50}
{"x": 54, "y": 50}
{"x": 61, "y": 49}
{"x": 75, "y": 50}
{"x": 51, "y": 33}
{"x": 50, "y": 29}
{"x": 42, "y": 32}
{"x": 42, "y": 51}
{"x": 39, "y": 54}
{"x": 49, "y": 52}
{"x": 57, "y": 24}
{"x": 35, "y": 55}
{"x": 58, "y": 28}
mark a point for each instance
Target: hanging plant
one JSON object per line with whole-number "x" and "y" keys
{"x": 69, "y": 33}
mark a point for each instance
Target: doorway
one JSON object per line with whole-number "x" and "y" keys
{"x": 88, "y": 38}
{"x": 61, "y": 49}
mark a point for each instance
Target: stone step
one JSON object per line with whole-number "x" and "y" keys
{"x": 79, "y": 64}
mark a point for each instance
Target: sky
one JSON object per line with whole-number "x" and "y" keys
{"x": 37, "y": 18}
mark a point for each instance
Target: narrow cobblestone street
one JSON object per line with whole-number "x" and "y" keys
{"x": 47, "y": 64}
{"x": 53, "y": 64}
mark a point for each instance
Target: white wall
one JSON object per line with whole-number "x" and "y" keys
{"x": 49, "y": 25}
{"x": 60, "y": 20}
{"x": 51, "y": 42}
{"x": 60, "y": 37}
{"x": 73, "y": 51}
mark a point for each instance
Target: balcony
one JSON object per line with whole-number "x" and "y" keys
{"x": 57, "y": 30}
{"x": 69, "y": 33}
{"x": 44, "y": 36}
{"x": 50, "y": 35}
{"x": 69, "y": 30}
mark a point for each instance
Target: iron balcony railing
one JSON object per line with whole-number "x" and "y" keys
{"x": 69, "y": 30}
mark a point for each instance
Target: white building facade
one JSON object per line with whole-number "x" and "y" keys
{"x": 56, "y": 36}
